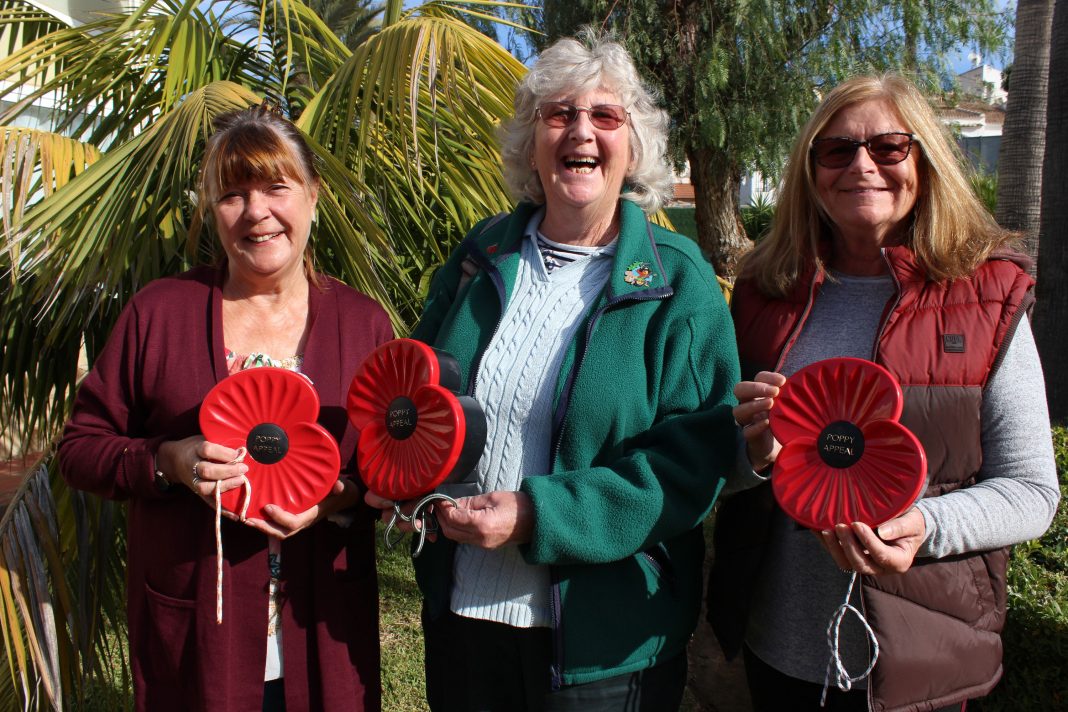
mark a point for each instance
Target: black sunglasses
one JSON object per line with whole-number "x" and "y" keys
{"x": 886, "y": 149}
{"x": 603, "y": 116}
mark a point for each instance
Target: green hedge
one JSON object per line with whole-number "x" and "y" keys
{"x": 756, "y": 219}
{"x": 684, "y": 221}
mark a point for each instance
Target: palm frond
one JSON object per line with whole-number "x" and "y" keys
{"x": 413, "y": 114}
{"x": 44, "y": 622}
{"x": 33, "y": 165}
{"x": 21, "y": 24}
{"x": 112, "y": 77}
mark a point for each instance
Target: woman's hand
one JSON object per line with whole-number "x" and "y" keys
{"x": 199, "y": 464}
{"x": 282, "y": 524}
{"x": 755, "y": 401}
{"x": 489, "y": 520}
{"x": 891, "y": 551}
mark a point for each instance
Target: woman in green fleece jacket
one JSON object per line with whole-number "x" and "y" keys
{"x": 601, "y": 349}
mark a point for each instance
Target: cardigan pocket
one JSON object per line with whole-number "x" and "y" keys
{"x": 169, "y": 646}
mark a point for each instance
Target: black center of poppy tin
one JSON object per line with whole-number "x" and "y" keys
{"x": 267, "y": 443}
{"x": 840, "y": 444}
{"x": 401, "y": 418}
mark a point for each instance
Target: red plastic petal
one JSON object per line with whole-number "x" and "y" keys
{"x": 836, "y": 389}
{"x": 396, "y": 368}
{"x": 882, "y": 484}
{"x": 242, "y": 401}
{"x": 405, "y": 469}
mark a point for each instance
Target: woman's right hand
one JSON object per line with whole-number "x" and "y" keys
{"x": 755, "y": 401}
{"x": 182, "y": 460}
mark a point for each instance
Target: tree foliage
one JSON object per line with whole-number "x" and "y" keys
{"x": 739, "y": 77}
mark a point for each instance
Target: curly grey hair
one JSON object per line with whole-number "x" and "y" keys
{"x": 589, "y": 63}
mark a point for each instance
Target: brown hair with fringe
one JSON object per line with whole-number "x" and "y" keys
{"x": 255, "y": 144}
{"x": 951, "y": 233}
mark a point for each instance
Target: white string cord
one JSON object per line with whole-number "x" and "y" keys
{"x": 246, "y": 486}
{"x": 842, "y": 679}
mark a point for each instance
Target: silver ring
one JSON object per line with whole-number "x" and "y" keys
{"x": 196, "y": 476}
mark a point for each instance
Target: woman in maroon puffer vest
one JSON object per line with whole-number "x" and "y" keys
{"x": 879, "y": 250}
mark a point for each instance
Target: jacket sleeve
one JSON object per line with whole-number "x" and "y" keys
{"x": 665, "y": 479}
{"x": 102, "y": 450}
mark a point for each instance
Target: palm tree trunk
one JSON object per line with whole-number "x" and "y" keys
{"x": 1023, "y": 139}
{"x": 1051, "y": 311}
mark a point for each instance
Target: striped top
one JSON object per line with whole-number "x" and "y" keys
{"x": 557, "y": 254}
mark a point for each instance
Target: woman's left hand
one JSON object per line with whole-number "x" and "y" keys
{"x": 489, "y": 520}
{"x": 282, "y": 524}
{"x": 858, "y": 548}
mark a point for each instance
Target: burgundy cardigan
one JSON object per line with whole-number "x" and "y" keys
{"x": 165, "y": 353}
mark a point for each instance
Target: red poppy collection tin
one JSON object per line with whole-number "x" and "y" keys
{"x": 845, "y": 457}
{"x": 292, "y": 460}
{"x": 416, "y": 432}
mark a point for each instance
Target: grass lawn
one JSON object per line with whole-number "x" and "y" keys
{"x": 402, "y": 639}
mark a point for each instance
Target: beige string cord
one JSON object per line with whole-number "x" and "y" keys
{"x": 246, "y": 486}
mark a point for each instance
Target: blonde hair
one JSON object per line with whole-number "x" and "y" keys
{"x": 951, "y": 231}
{"x": 589, "y": 63}
{"x": 256, "y": 143}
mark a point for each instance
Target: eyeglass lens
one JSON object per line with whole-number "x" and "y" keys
{"x": 885, "y": 149}
{"x": 603, "y": 116}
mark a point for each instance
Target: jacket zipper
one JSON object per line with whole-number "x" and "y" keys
{"x": 1021, "y": 311}
{"x": 800, "y": 323}
{"x": 498, "y": 282}
{"x": 874, "y": 356}
{"x": 557, "y": 665}
{"x": 890, "y": 311}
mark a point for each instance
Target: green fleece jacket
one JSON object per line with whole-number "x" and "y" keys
{"x": 643, "y": 440}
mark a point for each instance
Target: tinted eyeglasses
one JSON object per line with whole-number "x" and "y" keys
{"x": 885, "y": 149}
{"x": 603, "y": 116}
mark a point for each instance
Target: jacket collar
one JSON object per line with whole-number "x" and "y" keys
{"x": 637, "y": 269}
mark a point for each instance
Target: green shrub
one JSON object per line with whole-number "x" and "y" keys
{"x": 1036, "y": 632}
{"x": 985, "y": 186}
{"x": 757, "y": 216}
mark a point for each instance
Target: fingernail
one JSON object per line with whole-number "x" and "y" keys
{"x": 242, "y": 469}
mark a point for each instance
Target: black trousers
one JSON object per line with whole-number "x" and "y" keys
{"x": 274, "y": 695}
{"x": 481, "y": 666}
{"x": 774, "y": 691}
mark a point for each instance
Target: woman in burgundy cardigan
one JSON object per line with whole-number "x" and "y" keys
{"x": 300, "y": 623}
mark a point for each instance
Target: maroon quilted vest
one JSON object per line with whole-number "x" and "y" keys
{"x": 938, "y": 624}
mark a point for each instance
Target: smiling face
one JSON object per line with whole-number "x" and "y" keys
{"x": 264, "y": 226}
{"x": 868, "y": 204}
{"x": 582, "y": 167}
